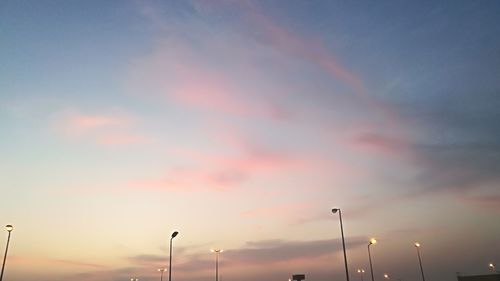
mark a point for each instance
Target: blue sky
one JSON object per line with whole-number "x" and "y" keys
{"x": 241, "y": 124}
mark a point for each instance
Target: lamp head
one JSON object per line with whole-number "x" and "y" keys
{"x": 335, "y": 210}
{"x": 9, "y": 227}
{"x": 386, "y": 276}
{"x": 174, "y": 234}
{"x": 373, "y": 241}
{"x": 491, "y": 265}
{"x": 417, "y": 244}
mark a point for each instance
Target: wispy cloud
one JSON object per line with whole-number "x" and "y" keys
{"x": 112, "y": 128}
{"x": 380, "y": 144}
{"x": 222, "y": 172}
{"x": 179, "y": 74}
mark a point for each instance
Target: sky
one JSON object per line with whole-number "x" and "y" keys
{"x": 241, "y": 124}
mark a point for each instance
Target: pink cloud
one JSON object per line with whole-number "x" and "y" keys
{"x": 81, "y": 122}
{"x": 218, "y": 173}
{"x": 104, "y": 129}
{"x": 291, "y": 43}
{"x": 313, "y": 50}
{"x": 379, "y": 144}
{"x": 284, "y": 40}
{"x": 206, "y": 90}
{"x": 74, "y": 123}
{"x": 213, "y": 171}
{"x": 175, "y": 72}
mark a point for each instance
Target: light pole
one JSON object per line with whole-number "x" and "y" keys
{"x": 361, "y": 273}
{"x": 372, "y": 241}
{"x": 161, "y": 270}
{"x": 417, "y": 246}
{"x": 217, "y": 252}
{"x": 492, "y": 267}
{"x": 387, "y": 277}
{"x": 9, "y": 229}
{"x": 170, "y": 260}
{"x": 335, "y": 210}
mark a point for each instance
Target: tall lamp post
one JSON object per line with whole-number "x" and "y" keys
{"x": 170, "y": 260}
{"x": 361, "y": 272}
{"x": 217, "y": 252}
{"x": 161, "y": 270}
{"x": 335, "y": 210}
{"x": 372, "y": 241}
{"x": 9, "y": 229}
{"x": 417, "y": 246}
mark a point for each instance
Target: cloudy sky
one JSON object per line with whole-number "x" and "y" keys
{"x": 241, "y": 124}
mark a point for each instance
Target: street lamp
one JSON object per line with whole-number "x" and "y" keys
{"x": 417, "y": 246}
{"x": 492, "y": 267}
{"x": 361, "y": 273}
{"x": 372, "y": 241}
{"x": 161, "y": 270}
{"x": 134, "y": 279}
{"x": 217, "y": 252}
{"x": 335, "y": 210}
{"x": 170, "y": 260}
{"x": 9, "y": 229}
{"x": 386, "y": 276}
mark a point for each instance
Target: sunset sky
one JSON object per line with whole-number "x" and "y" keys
{"x": 241, "y": 124}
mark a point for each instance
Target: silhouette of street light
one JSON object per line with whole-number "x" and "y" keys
{"x": 170, "y": 260}
{"x": 217, "y": 252}
{"x": 417, "y": 246}
{"x": 335, "y": 210}
{"x": 361, "y": 273}
{"x": 161, "y": 270}
{"x": 9, "y": 229}
{"x": 372, "y": 241}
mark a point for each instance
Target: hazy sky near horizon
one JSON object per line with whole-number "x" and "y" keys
{"x": 241, "y": 124}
